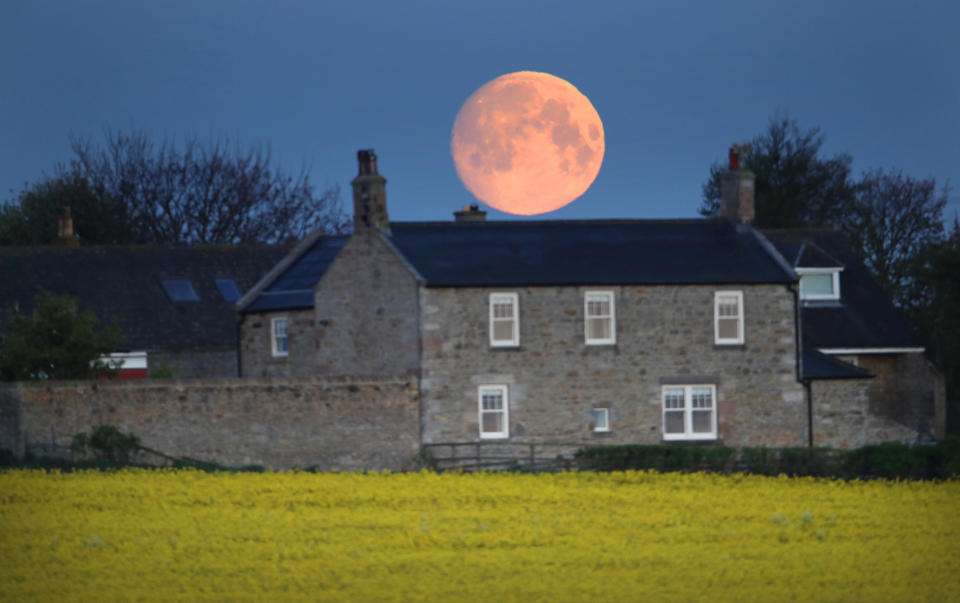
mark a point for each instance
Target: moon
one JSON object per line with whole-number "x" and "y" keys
{"x": 527, "y": 143}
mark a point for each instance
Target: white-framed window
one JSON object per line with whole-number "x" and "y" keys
{"x": 728, "y": 317}
{"x": 494, "y": 409}
{"x": 819, "y": 283}
{"x": 689, "y": 412}
{"x": 279, "y": 342}
{"x": 600, "y": 322}
{"x": 504, "y": 320}
{"x": 601, "y": 420}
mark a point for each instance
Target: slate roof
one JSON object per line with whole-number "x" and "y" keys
{"x": 293, "y": 288}
{"x": 124, "y": 282}
{"x": 821, "y": 366}
{"x": 553, "y": 253}
{"x": 586, "y": 252}
{"x": 864, "y": 317}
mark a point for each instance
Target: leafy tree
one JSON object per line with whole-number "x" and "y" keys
{"x": 933, "y": 307}
{"x": 33, "y": 218}
{"x": 130, "y": 190}
{"x": 795, "y": 185}
{"x": 894, "y": 222}
{"x": 56, "y": 341}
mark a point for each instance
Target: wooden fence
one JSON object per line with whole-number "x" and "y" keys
{"x": 492, "y": 455}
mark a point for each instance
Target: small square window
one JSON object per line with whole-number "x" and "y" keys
{"x": 600, "y": 326}
{"x": 494, "y": 411}
{"x": 279, "y": 341}
{"x": 601, "y": 420}
{"x": 504, "y": 320}
{"x": 819, "y": 283}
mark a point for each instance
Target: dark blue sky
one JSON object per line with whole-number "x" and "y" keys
{"x": 674, "y": 83}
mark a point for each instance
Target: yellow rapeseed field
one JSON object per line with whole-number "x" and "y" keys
{"x": 634, "y": 536}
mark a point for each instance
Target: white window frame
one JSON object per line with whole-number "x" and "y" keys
{"x": 688, "y": 433}
{"x": 275, "y": 340}
{"x": 606, "y": 414}
{"x": 505, "y": 411}
{"x": 717, "y": 297}
{"x": 514, "y": 340}
{"x": 821, "y": 296}
{"x": 610, "y": 297}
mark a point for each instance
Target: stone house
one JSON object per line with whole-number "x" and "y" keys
{"x": 597, "y": 331}
{"x": 173, "y": 305}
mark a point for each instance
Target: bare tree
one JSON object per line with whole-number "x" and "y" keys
{"x": 192, "y": 193}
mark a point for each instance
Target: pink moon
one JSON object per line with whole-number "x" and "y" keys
{"x": 527, "y": 143}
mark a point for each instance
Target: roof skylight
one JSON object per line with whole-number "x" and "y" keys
{"x": 228, "y": 289}
{"x": 180, "y": 291}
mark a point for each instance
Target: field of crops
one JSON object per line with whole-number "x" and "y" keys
{"x": 139, "y": 534}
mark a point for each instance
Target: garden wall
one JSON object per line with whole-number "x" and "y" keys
{"x": 333, "y": 424}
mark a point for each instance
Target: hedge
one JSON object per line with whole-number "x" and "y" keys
{"x": 889, "y": 460}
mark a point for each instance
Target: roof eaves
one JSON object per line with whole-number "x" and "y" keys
{"x": 844, "y": 370}
{"x": 279, "y": 269}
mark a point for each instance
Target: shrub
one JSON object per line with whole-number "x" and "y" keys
{"x": 106, "y": 443}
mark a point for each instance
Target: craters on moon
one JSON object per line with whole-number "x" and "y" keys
{"x": 527, "y": 143}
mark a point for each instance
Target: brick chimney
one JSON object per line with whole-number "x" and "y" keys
{"x": 470, "y": 213}
{"x": 66, "y": 236}
{"x": 369, "y": 194}
{"x": 736, "y": 188}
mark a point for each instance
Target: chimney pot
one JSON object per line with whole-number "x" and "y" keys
{"x": 367, "y": 161}
{"x": 470, "y": 213}
{"x": 736, "y": 188}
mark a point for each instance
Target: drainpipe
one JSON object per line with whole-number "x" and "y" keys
{"x": 798, "y": 329}
{"x": 240, "y": 345}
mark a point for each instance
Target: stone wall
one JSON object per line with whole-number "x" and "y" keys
{"x": 842, "y": 416}
{"x": 257, "y": 359}
{"x": 366, "y": 309}
{"x": 907, "y": 389}
{"x": 664, "y": 336}
{"x": 334, "y": 424}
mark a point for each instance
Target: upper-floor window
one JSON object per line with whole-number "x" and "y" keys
{"x": 728, "y": 317}
{"x": 279, "y": 341}
{"x": 689, "y": 412}
{"x": 504, "y": 320}
{"x": 494, "y": 411}
{"x": 600, "y": 324}
{"x": 819, "y": 283}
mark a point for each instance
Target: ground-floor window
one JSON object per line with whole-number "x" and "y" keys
{"x": 494, "y": 410}
{"x": 601, "y": 420}
{"x": 689, "y": 412}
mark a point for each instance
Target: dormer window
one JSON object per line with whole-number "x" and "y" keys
{"x": 819, "y": 283}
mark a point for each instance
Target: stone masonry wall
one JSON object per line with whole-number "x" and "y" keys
{"x": 334, "y": 424}
{"x": 908, "y": 390}
{"x": 664, "y": 336}
{"x": 366, "y": 311}
{"x": 842, "y": 416}
{"x": 257, "y": 359}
